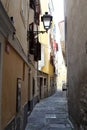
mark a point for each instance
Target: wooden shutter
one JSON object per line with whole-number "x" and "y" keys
{"x": 39, "y": 51}
{"x": 31, "y": 43}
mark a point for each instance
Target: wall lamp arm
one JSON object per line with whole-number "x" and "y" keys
{"x": 37, "y": 32}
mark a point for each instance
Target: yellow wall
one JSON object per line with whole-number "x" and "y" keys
{"x": 13, "y": 65}
{"x": 44, "y": 6}
{"x": 25, "y": 86}
{"x": 48, "y": 68}
{"x": 12, "y": 69}
{"x": 51, "y": 70}
{"x": 44, "y": 39}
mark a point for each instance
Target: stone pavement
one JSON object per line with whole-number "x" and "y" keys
{"x": 50, "y": 114}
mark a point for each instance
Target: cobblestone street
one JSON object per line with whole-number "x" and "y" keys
{"x": 50, "y": 114}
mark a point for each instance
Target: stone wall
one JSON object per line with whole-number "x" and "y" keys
{"x": 83, "y": 103}
{"x": 76, "y": 53}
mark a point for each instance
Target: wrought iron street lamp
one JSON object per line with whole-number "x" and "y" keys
{"x": 34, "y": 44}
{"x": 47, "y": 21}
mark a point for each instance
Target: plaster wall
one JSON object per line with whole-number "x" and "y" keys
{"x": 13, "y": 68}
{"x": 19, "y": 11}
{"x": 76, "y": 53}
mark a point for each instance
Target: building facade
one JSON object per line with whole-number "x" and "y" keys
{"x": 18, "y": 67}
{"x": 34, "y": 51}
{"x": 76, "y": 55}
{"x": 45, "y": 65}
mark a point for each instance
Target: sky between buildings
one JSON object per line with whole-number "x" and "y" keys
{"x": 59, "y": 16}
{"x": 58, "y": 10}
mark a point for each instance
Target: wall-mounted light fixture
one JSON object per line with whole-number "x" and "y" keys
{"x": 34, "y": 44}
{"x": 47, "y": 21}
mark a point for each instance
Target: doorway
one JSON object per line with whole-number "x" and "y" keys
{"x": 41, "y": 82}
{"x": 29, "y": 89}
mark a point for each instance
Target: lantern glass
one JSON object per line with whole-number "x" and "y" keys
{"x": 46, "y": 19}
{"x": 46, "y": 23}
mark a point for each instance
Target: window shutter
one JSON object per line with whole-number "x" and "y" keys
{"x": 31, "y": 43}
{"x": 39, "y": 51}
{"x": 56, "y": 46}
{"x": 51, "y": 60}
{"x": 32, "y": 4}
{"x": 31, "y": 38}
{"x": 36, "y": 52}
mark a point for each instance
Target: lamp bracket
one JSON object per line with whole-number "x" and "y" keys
{"x": 37, "y": 32}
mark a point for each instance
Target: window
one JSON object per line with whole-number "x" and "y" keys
{"x": 45, "y": 81}
{"x": 32, "y": 4}
{"x": 18, "y": 95}
{"x": 23, "y": 71}
{"x": 23, "y": 7}
{"x": 33, "y": 89}
{"x": 23, "y": 11}
{"x": 31, "y": 39}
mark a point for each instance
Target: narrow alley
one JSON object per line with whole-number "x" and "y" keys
{"x": 50, "y": 114}
{"x": 43, "y": 64}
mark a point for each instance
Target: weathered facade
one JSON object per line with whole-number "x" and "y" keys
{"x": 42, "y": 85}
{"x": 14, "y": 71}
{"x": 46, "y": 64}
{"x": 76, "y": 55}
{"x": 18, "y": 69}
{"x": 34, "y": 51}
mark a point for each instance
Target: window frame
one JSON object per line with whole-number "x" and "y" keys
{"x": 23, "y": 11}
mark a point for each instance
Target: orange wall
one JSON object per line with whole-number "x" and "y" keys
{"x": 12, "y": 69}
{"x": 24, "y": 93}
